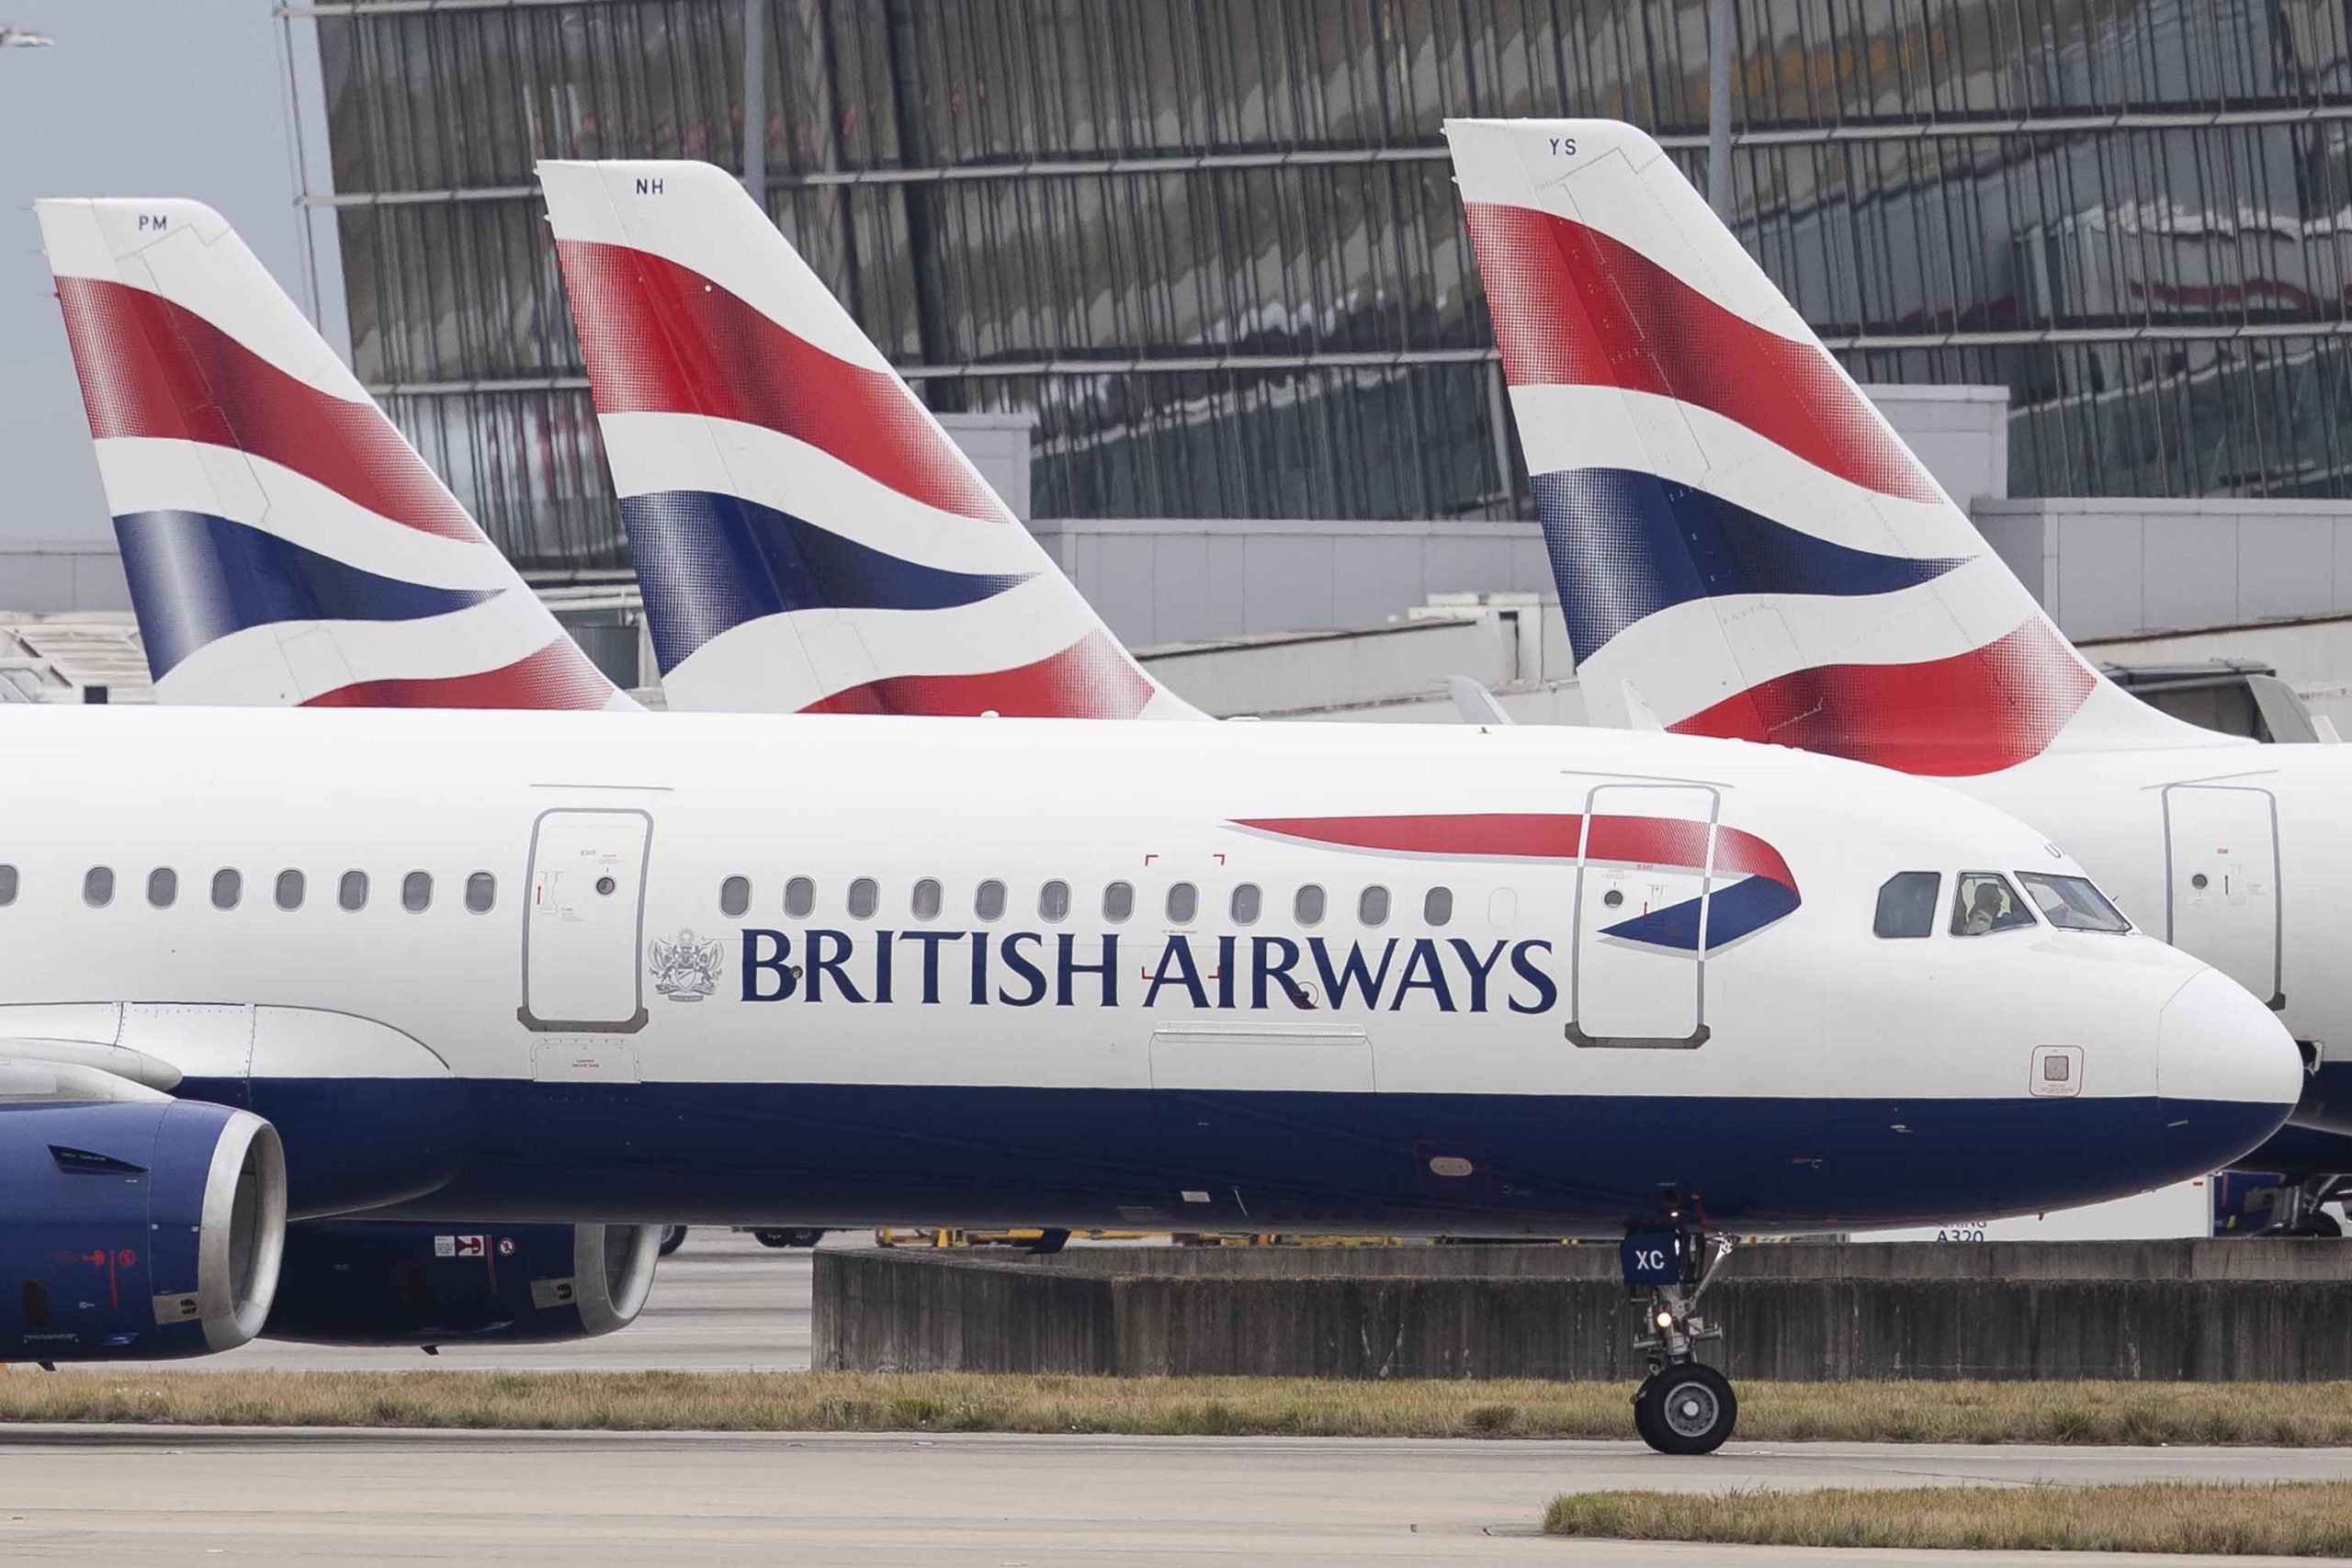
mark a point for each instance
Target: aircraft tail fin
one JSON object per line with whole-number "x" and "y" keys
{"x": 284, "y": 543}
{"x": 1744, "y": 548}
{"x": 808, "y": 538}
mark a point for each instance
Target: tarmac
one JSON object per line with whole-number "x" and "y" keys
{"x": 179, "y": 1494}
{"x": 190, "y": 1496}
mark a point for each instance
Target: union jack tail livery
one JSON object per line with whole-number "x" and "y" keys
{"x": 1744, "y": 548}
{"x": 808, "y": 538}
{"x": 284, "y": 544}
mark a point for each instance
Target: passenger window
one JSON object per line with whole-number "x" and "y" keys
{"x": 799, "y": 897}
{"x": 352, "y": 892}
{"x": 289, "y": 889}
{"x": 162, "y": 888}
{"x": 1371, "y": 906}
{"x": 1907, "y": 904}
{"x": 7, "y": 884}
{"x": 1118, "y": 901}
{"x": 1052, "y": 901}
{"x": 1246, "y": 900}
{"x": 1437, "y": 906}
{"x": 734, "y": 897}
{"x": 988, "y": 903}
{"x": 2072, "y": 904}
{"x": 865, "y": 897}
{"x": 228, "y": 887}
{"x": 97, "y": 886}
{"x": 1985, "y": 902}
{"x": 481, "y": 892}
{"x": 416, "y": 892}
{"x": 1183, "y": 903}
{"x": 927, "y": 899}
{"x": 1306, "y": 905}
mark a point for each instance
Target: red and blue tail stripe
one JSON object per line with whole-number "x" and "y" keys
{"x": 1576, "y": 307}
{"x": 808, "y": 536}
{"x": 1092, "y": 677}
{"x": 1743, "y": 545}
{"x": 1977, "y": 712}
{"x": 557, "y": 676}
{"x": 153, "y": 369}
{"x": 668, "y": 340}
{"x": 282, "y": 541}
{"x": 718, "y": 561}
{"x": 195, "y": 578}
{"x": 1626, "y": 545}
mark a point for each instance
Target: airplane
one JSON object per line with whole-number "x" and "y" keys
{"x": 641, "y": 242}
{"x": 483, "y": 974}
{"x": 808, "y": 538}
{"x": 1744, "y": 549}
{"x": 283, "y": 542}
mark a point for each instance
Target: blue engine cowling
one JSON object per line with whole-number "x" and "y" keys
{"x": 427, "y": 1282}
{"x": 136, "y": 1229}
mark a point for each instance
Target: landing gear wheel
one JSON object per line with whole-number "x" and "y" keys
{"x": 795, "y": 1235}
{"x": 1688, "y": 1409}
{"x": 1646, "y": 1414}
{"x": 672, "y": 1238}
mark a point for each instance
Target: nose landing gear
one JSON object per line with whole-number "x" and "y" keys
{"x": 1683, "y": 1407}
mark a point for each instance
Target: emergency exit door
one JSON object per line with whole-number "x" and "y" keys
{"x": 1643, "y": 873}
{"x": 584, "y": 929}
{"x": 2222, "y": 901}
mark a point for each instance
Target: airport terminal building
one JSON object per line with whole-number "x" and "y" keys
{"x": 1212, "y": 247}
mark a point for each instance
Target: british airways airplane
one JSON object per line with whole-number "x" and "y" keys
{"x": 284, "y": 543}
{"x": 808, "y": 538}
{"x": 495, "y": 975}
{"x": 1744, "y": 549}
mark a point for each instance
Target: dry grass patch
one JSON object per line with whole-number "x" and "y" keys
{"x": 2301, "y": 1416}
{"x": 2284, "y": 1519}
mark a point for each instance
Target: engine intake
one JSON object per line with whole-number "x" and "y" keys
{"x": 433, "y": 1282}
{"x": 141, "y": 1229}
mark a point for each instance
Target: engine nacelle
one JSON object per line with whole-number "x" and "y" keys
{"x": 428, "y": 1283}
{"x": 136, "y": 1230}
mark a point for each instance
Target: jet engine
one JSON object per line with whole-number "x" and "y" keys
{"x": 140, "y": 1228}
{"x": 433, "y": 1282}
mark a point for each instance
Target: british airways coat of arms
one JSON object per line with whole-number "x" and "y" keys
{"x": 685, "y": 970}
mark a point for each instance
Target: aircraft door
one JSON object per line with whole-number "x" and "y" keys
{"x": 2221, "y": 898}
{"x": 583, "y": 930}
{"x": 1642, "y": 877}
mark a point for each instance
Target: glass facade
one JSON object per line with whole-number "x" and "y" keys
{"x": 1213, "y": 246}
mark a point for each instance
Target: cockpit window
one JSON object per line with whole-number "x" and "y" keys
{"x": 1906, "y": 905}
{"x": 1985, "y": 902}
{"x": 2072, "y": 904}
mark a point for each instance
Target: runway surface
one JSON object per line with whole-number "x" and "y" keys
{"x": 721, "y": 1302}
{"x": 161, "y": 1496}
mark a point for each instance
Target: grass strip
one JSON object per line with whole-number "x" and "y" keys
{"x": 2310, "y": 1518}
{"x": 2291, "y": 1416}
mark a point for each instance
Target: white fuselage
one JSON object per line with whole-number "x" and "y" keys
{"x": 628, "y": 1031}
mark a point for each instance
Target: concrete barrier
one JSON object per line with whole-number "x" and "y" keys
{"x": 2231, "y": 1311}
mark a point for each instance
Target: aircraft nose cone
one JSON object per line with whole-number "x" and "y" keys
{"x": 2227, "y": 1075}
